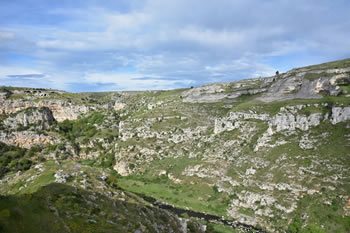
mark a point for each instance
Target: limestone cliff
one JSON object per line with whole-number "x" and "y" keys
{"x": 38, "y": 118}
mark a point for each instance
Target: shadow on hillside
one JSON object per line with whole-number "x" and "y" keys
{"x": 61, "y": 208}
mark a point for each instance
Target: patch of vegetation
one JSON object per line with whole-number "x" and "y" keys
{"x": 106, "y": 160}
{"x": 84, "y": 128}
{"x": 13, "y": 158}
{"x": 320, "y": 218}
{"x": 191, "y": 193}
{"x": 331, "y": 65}
{"x": 314, "y": 76}
{"x": 61, "y": 208}
{"x": 243, "y": 85}
{"x": 345, "y": 89}
{"x": 218, "y": 228}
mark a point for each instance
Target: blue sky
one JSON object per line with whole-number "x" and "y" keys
{"x": 93, "y": 45}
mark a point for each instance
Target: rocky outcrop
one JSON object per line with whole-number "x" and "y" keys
{"x": 209, "y": 93}
{"x": 122, "y": 167}
{"x": 119, "y": 106}
{"x": 340, "y": 114}
{"x": 295, "y": 84}
{"x": 26, "y": 139}
{"x": 288, "y": 120}
{"x": 306, "y": 83}
{"x": 36, "y": 118}
{"x": 64, "y": 110}
{"x": 325, "y": 86}
{"x": 216, "y": 92}
{"x": 290, "y": 87}
{"x": 61, "y": 109}
{"x": 340, "y": 79}
{"x": 233, "y": 120}
{"x": 306, "y": 142}
{"x": 127, "y": 130}
{"x": 61, "y": 177}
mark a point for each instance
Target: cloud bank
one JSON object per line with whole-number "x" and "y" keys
{"x": 161, "y": 44}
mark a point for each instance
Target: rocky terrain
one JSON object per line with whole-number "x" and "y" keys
{"x": 271, "y": 153}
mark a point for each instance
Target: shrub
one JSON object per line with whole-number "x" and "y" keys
{"x": 13, "y": 158}
{"x": 295, "y": 226}
{"x": 313, "y": 229}
{"x": 108, "y": 160}
{"x": 82, "y": 128}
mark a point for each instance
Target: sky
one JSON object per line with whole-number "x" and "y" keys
{"x": 115, "y": 45}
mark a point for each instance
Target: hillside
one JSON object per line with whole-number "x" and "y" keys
{"x": 269, "y": 154}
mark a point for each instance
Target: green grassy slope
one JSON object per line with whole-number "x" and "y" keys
{"x": 62, "y": 208}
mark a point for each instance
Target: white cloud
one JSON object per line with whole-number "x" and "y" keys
{"x": 128, "y": 22}
{"x": 6, "y": 35}
{"x": 6, "y": 71}
{"x": 208, "y": 37}
{"x": 62, "y": 44}
{"x": 177, "y": 42}
{"x": 134, "y": 81}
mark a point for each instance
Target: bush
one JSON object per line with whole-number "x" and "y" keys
{"x": 108, "y": 160}
{"x": 215, "y": 189}
{"x": 13, "y": 158}
{"x": 82, "y": 128}
{"x": 313, "y": 229}
{"x": 33, "y": 151}
{"x": 295, "y": 226}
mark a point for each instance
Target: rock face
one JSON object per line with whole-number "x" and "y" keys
{"x": 295, "y": 84}
{"x": 233, "y": 120}
{"x": 61, "y": 110}
{"x": 217, "y": 92}
{"x": 340, "y": 114}
{"x": 26, "y": 139}
{"x": 61, "y": 177}
{"x": 122, "y": 167}
{"x": 37, "y": 118}
{"x": 288, "y": 120}
{"x": 21, "y": 128}
{"x": 291, "y": 122}
{"x": 119, "y": 106}
{"x": 340, "y": 79}
{"x": 66, "y": 111}
{"x": 290, "y": 87}
{"x": 306, "y": 83}
{"x": 210, "y": 93}
{"x": 324, "y": 86}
